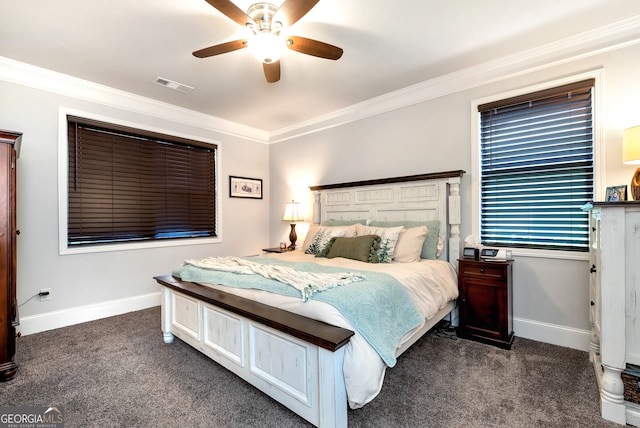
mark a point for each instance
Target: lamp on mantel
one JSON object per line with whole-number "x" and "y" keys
{"x": 292, "y": 214}
{"x": 631, "y": 155}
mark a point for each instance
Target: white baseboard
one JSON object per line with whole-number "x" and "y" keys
{"x": 529, "y": 329}
{"x": 552, "y": 333}
{"x": 50, "y": 320}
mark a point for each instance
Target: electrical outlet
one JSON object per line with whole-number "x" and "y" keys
{"x": 45, "y": 297}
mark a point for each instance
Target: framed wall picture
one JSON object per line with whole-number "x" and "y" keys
{"x": 243, "y": 187}
{"x": 616, "y": 193}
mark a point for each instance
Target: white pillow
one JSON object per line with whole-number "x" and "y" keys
{"x": 409, "y": 244}
{"x": 313, "y": 229}
{"x": 322, "y": 237}
{"x": 388, "y": 239}
{"x": 349, "y": 231}
{"x": 440, "y": 247}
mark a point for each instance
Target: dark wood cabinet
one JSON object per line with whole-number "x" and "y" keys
{"x": 486, "y": 301}
{"x": 9, "y": 148}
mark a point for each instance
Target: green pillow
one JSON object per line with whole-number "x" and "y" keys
{"x": 430, "y": 246}
{"x": 362, "y": 248}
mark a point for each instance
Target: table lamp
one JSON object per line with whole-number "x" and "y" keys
{"x": 292, "y": 214}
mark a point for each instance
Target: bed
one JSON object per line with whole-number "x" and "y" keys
{"x": 316, "y": 351}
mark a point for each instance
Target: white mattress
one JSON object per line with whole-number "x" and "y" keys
{"x": 430, "y": 283}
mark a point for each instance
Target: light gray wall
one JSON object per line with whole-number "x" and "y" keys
{"x": 87, "y": 280}
{"x": 549, "y": 294}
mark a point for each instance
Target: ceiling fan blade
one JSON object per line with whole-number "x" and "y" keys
{"x": 292, "y": 10}
{"x": 232, "y": 11}
{"x": 272, "y": 71}
{"x": 314, "y": 47}
{"x": 220, "y": 49}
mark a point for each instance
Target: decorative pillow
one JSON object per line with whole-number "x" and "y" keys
{"x": 322, "y": 237}
{"x": 313, "y": 229}
{"x": 409, "y": 246}
{"x": 349, "y": 230}
{"x": 311, "y": 233}
{"x": 388, "y": 239}
{"x": 362, "y": 248}
{"x": 429, "y": 248}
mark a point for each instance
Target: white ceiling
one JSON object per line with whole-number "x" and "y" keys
{"x": 388, "y": 45}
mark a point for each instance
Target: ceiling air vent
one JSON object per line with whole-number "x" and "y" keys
{"x": 172, "y": 85}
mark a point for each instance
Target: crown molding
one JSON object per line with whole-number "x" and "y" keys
{"x": 600, "y": 40}
{"x": 62, "y": 84}
{"x": 607, "y": 38}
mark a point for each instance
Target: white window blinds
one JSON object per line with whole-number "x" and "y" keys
{"x": 537, "y": 168}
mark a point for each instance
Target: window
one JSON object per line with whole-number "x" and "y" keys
{"x": 537, "y": 168}
{"x": 129, "y": 185}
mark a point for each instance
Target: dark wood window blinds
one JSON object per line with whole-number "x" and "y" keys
{"x": 537, "y": 168}
{"x": 132, "y": 185}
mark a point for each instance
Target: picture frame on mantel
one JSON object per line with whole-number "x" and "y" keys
{"x": 616, "y": 193}
{"x": 245, "y": 187}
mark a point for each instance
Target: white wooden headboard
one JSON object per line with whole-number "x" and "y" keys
{"x": 412, "y": 198}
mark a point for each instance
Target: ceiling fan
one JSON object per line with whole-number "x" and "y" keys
{"x": 266, "y": 21}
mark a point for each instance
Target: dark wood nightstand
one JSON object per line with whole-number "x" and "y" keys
{"x": 486, "y": 301}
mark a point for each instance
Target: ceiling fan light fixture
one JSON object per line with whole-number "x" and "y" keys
{"x": 267, "y": 47}
{"x": 262, "y": 15}
{"x": 268, "y": 26}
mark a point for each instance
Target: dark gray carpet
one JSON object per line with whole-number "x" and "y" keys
{"x": 117, "y": 372}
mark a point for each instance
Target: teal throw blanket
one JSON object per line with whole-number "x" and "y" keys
{"x": 379, "y": 308}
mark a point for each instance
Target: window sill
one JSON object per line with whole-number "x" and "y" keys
{"x": 65, "y": 250}
{"x": 549, "y": 254}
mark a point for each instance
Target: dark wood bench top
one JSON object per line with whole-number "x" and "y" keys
{"x": 309, "y": 330}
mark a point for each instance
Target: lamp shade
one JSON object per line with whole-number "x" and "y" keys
{"x": 631, "y": 146}
{"x": 292, "y": 212}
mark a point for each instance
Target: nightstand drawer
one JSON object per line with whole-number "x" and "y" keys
{"x": 488, "y": 269}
